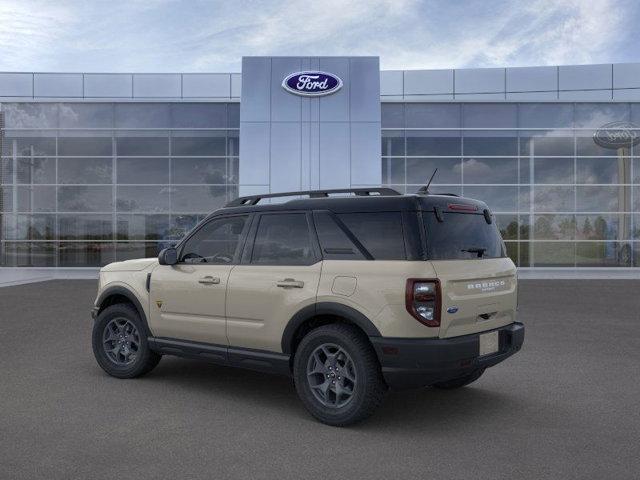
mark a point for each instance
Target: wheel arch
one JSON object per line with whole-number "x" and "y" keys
{"x": 118, "y": 294}
{"x": 323, "y": 313}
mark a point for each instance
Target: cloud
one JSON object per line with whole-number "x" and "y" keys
{"x": 167, "y": 35}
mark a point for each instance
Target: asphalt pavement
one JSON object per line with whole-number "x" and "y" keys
{"x": 567, "y": 406}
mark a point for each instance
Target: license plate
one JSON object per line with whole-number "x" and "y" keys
{"x": 489, "y": 343}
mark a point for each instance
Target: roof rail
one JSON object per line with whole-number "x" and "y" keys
{"x": 360, "y": 192}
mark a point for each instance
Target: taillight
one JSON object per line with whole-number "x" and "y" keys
{"x": 423, "y": 301}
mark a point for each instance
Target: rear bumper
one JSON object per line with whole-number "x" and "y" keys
{"x": 418, "y": 362}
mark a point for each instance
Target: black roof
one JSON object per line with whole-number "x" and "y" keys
{"x": 387, "y": 200}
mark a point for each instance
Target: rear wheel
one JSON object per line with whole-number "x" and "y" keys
{"x": 120, "y": 344}
{"x": 337, "y": 375}
{"x": 460, "y": 381}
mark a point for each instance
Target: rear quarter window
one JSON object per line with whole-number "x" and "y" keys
{"x": 380, "y": 233}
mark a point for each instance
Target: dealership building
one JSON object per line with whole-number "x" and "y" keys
{"x": 99, "y": 167}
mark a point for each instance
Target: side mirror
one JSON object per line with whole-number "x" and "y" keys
{"x": 168, "y": 256}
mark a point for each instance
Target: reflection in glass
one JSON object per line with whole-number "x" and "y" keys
{"x": 546, "y": 144}
{"x": 553, "y": 170}
{"x": 392, "y": 143}
{"x": 142, "y": 170}
{"x": 30, "y": 146}
{"x": 143, "y": 227}
{"x": 199, "y": 115}
{"x": 490, "y": 115}
{"x": 490, "y": 144}
{"x": 85, "y": 199}
{"x": 553, "y": 199}
{"x": 419, "y": 170}
{"x": 36, "y": 170}
{"x": 211, "y": 144}
{"x": 199, "y": 170}
{"x": 146, "y": 146}
{"x": 142, "y": 115}
{"x": 85, "y": 254}
{"x": 36, "y": 198}
{"x": 432, "y": 115}
{"x": 89, "y": 146}
{"x": 490, "y": 170}
{"x": 603, "y": 226}
{"x": 30, "y": 115}
{"x": 392, "y": 115}
{"x": 86, "y": 115}
{"x": 508, "y": 226}
{"x": 554, "y": 227}
{"x": 603, "y": 254}
{"x": 603, "y": 170}
{"x": 35, "y": 227}
{"x": 603, "y": 198}
{"x": 85, "y": 227}
{"x": 143, "y": 199}
{"x": 85, "y": 170}
{"x": 545, "y": 115}
{"x": 197, "y": 199}
{"x": 433, "y": 143}
{"x": 393, "y": 170}
{"x": 552, "y": 254}
{"x": 21, "y": 254}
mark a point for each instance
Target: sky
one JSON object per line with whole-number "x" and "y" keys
{"x": 212, "y": 36}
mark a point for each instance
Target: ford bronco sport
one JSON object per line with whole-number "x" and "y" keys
{"x": 350, "y": 292}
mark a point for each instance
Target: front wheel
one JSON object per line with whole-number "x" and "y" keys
{"x": 337, "y": 375}
{"x": 120, "y": 344}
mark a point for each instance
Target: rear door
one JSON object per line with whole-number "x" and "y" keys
{"x": 477, "y": 279}
{"x": 278, "y": 276}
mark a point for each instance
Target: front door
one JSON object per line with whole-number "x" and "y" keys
{"x": 188, "y": 299}
{"x": 279, "y": 275}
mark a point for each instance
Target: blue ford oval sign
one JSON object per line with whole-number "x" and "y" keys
{"x": 312, "y": 84}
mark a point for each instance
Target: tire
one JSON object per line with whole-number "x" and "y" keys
{"x": 460, "y": 381}
{"x": 360, "y": 384}
{"x": 133, "y": 357}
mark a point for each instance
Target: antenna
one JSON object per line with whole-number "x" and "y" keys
{"x": 425, "y": 190}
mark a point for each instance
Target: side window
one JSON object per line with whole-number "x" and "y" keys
{"x": 215, "y": 242}
{"x": 380, "y": 233}
{"x": 335, "y": 244}
{"x": 283, "y": 239}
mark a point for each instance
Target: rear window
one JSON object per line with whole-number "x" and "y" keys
{"x": 462, "y": 236}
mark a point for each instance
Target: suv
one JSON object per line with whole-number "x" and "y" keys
{"x": 350, "y": 292}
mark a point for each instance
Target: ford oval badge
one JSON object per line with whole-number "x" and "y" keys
{"x": 452, "y": 309}
{"x": 617, "y": 135}
{"x": 312, "y": 83}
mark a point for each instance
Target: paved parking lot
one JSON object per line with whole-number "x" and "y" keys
{"x": 567, "y": 406}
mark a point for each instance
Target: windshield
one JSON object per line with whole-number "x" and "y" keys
{"x": 462, "y": 236}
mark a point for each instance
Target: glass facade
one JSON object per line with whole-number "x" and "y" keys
{"x": 85, "y": 184}
{"x": 560, "y": 199}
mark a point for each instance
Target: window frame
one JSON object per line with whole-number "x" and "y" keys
{"x": 247, "y": 253}
{"x": 241, "y": 243}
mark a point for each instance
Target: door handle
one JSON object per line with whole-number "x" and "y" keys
{"x": 209, "y": 280}
{"x": 290, "y": 283}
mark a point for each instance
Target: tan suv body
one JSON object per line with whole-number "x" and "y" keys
{"x": 418, "y": 286}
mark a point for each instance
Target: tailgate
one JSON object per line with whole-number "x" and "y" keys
{"x": 477, "y": 295}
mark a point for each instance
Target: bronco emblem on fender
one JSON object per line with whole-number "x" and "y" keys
{"x": 159, "y": 303}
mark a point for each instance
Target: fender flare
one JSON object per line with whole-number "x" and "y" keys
{"x": 326, "y": 308}
{"x": 125, "y": 292}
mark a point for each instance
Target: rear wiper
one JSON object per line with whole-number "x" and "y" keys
{"x": 479, "y": 251}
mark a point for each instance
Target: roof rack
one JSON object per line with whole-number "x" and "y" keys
{"x": 360, "y": 192}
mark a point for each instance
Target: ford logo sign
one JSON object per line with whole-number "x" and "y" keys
{"x": 312, "y": 84}
{"x": 617, "y": 135}
{"x": 452, "y": 309}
